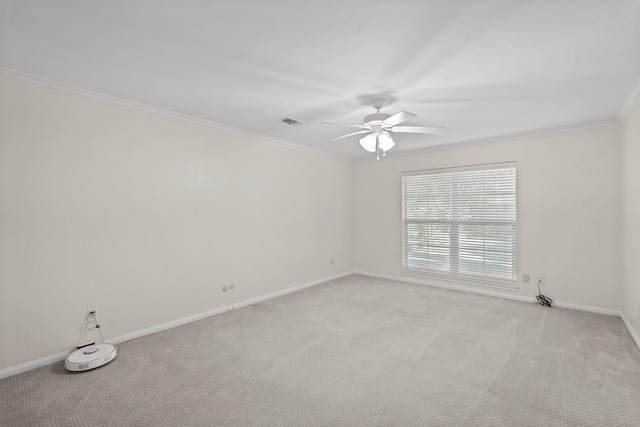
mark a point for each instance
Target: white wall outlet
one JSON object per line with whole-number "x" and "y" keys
{"x": 540, "y": 280}
{"x": 525, "y": 278}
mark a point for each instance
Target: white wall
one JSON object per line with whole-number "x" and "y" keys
{"x": 631, "y": 209}
{"x": 146, "y": 217}
{"x": 569, "y": 220}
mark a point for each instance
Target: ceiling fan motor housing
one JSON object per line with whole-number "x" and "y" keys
{"x": 375, "y": 117}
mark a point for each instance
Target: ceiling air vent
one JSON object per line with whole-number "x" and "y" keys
{"x": 291, "y": 122}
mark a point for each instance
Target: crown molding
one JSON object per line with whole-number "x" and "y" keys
{"x": 607, "y": 124}
{"x": 632, "y": 99}
{"x": 98, "y": 96}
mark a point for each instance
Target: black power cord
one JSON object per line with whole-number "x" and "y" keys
{"x": 92, "y": 323}
{"x": 543, "y": 300}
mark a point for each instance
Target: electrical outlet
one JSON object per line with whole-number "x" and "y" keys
{"x": 540, "y": 280}
{"x": 525, "y": 278}
{"x": 92, "y": 311}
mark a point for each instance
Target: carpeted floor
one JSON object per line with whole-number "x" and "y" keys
{"x": 353, "y": 352}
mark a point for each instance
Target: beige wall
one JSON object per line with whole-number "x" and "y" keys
{"x": 569, "y": 220}
{"x": 146, "y": 218}
{"x": 631, "y": 241}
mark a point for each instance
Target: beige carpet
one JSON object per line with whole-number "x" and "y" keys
{"x": 353, "y": 352}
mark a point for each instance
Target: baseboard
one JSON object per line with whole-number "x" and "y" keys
{"x": 27, "y": 366}
{"x": 168, "y": 325}
{"x": 47, "y": 360}
{"x": 289, "y": 290}
{"x": 560, "y": 304}
{"x": 432, "y": 284}
{"x": 632, "y": 332}
{"x": 588, "y": 308}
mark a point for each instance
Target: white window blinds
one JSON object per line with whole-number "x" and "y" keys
{"x": 459, "y": 224}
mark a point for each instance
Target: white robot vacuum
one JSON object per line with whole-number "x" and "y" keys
{"x": 90, "y": 357}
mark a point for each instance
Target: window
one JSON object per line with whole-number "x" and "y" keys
{"x": 459, "y": 224}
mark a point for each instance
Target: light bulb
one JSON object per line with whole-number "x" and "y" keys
{"x": 369, "y": 143}
{"x": 385, "y": 141}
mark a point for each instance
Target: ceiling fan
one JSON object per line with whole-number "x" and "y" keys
{"x": 378, "y": 125}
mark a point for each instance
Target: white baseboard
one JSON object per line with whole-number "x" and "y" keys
{"x": 632, "y": 332}
{"x": 560, "y": 304}
{"x": 588, "y": 308}
{"x": 416, "y": 281}
{"x": 289, "y": 290}
{"x": 169, "y": 325}
{"x": 47, "y": 360}
{"x": 200, "y": 316}
{"x": 486, "y": 292}
{"x": 27, "y": 366}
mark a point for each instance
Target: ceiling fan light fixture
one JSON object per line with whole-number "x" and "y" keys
{"x": 369, "y": 143}
{"x": 385, "y": 141}
{"x": 380, "y": 124}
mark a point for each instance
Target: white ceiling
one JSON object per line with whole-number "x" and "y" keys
{"x": 482, "y": 69}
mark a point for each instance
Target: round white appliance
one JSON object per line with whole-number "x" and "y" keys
{"x": 90, "y": 357}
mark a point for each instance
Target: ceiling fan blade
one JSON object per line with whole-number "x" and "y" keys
{"x": 418, "y": 129}
{"x": 398, "y": 118}
{"x": 347, "y": 124}
{"x": 350, "y": 134}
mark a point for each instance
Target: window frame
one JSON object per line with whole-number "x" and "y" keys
{"x": 505, "y": 226}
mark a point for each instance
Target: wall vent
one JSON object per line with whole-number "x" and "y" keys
{"x": 291, "y": 122}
